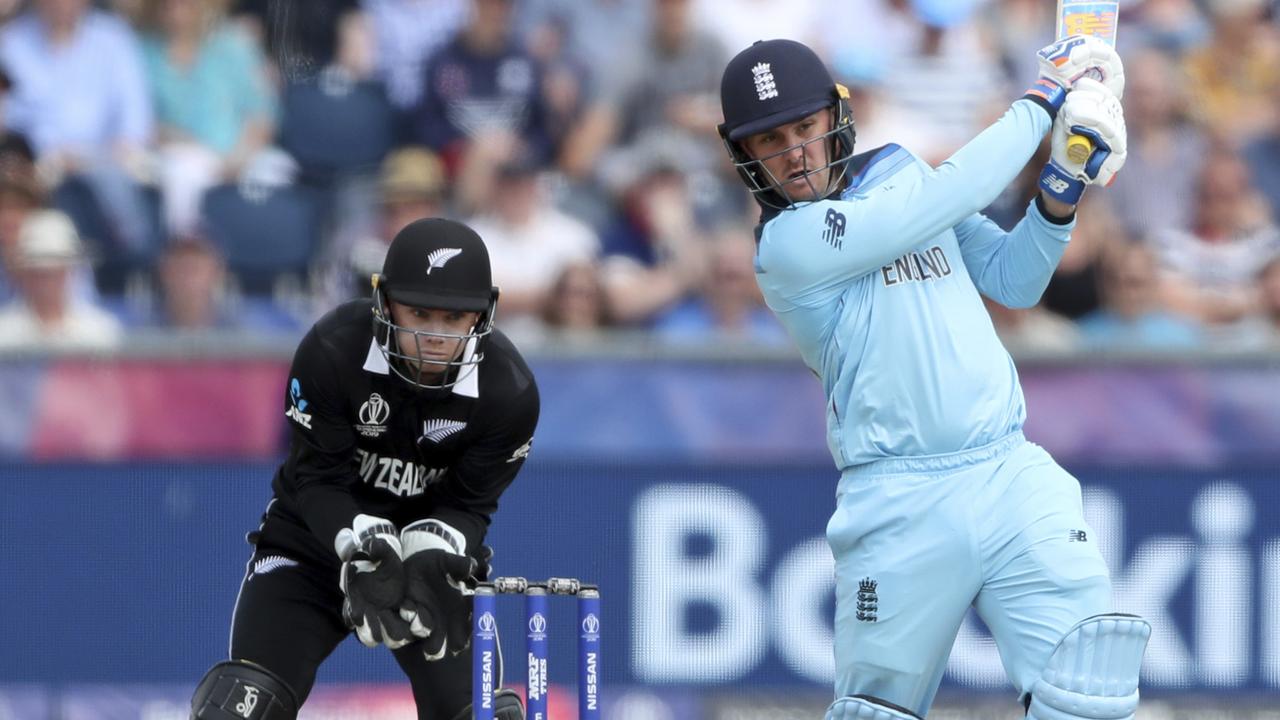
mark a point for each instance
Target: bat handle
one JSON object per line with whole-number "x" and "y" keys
{"x": 1079, "y": 148}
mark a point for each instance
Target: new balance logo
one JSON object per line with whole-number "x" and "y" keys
{"x": 438, "y": 429}
{"x": 1056, "y": 184}
{"x": 1077, "y": 536}
{"x": 271, "y": 563}
{"x": 834, "y": 234}
{"x": 868, "y": 602}
{"x": 765, "y": 86}
{"x": 438, "y": 258}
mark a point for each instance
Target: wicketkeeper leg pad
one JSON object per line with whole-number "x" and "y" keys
{"x": 241, "y": 690}
{"x": 865, "y": 707}
{"x": 1093, "y": 672}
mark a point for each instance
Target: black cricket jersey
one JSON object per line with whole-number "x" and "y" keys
{"x": 366, "y": 441}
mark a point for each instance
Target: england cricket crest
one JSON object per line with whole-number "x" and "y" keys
{"x": 868, "y": 601}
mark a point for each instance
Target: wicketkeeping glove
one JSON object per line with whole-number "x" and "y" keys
{"x": 439, "y": 579}
{"x": 1068, "y": 60}
{"x": 372, "y": 579}
{"x": 1093, "y": 111}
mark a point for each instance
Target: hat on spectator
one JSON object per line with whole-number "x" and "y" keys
{"x": 48, "y": 239}
{"x": 411, "y": 173}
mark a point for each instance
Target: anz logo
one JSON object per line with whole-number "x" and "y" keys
{"x": 297, "y": 405}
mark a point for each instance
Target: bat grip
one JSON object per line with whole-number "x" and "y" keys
{"x": 1079, "y": 147}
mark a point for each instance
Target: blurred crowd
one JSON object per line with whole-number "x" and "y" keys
{"x": 218, "y": 165}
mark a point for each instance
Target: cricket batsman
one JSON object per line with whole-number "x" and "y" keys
{"x": 875, "y": 263}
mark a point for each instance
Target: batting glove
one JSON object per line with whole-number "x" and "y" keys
{"x": 1093, "y": 111}
{"x": 439, "y": 579}
{"x": 372, "y": 579}
{"x": 1068, "y": 60}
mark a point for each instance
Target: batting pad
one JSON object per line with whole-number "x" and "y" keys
{"x": 1093, "y": 673}
{"x": 862, "y": 707}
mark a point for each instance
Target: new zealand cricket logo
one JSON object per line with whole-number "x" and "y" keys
{"x": 868, "y": 603}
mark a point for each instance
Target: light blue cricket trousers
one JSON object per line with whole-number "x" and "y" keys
{"x": 918, "y": 540}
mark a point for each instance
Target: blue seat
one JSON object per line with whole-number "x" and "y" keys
{"x": 334, "y": 126}
{"x": 266, "y": 235}
{"x": 114, "y": 261}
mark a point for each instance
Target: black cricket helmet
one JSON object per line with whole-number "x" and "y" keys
{"x": 435, "y": 264}
{"x": 772, "y": 83}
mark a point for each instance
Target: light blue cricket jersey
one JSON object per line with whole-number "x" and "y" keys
{"x": 880, "y": 291}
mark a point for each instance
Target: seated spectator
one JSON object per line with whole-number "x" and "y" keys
{"x": 729, "y": 307}
{"x": 576, "y": 312}
{"x": 656, "y": 250}
{"x": 20, "y": 195}
{"x": 99, "y": 121}
{"x": 1269, "y": 282}
{"x": 1075, "y": 286}
{"x": 1211, "y": 271}
{"x": 46, "y": 316}
{"x": 214, "y": 108}
{"x": 406, "y": 33}
{"x": 483, "y": 89}
{"x": 192, "y": 279}
{"x": 1233, "y": 76}
{"x": 1166, "y": 148}
{"x": 1131, "y": 316}
{"x": 410, "y": 187}
{"x": 530, "y": 240}
{"x": 1263, "y": 157}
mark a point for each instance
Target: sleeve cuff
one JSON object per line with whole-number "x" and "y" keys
{"x": 1049, "y": 217}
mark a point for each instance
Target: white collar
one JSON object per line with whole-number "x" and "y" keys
{"x": 468, "y": 386}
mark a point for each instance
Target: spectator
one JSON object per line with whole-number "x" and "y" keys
{"x": 214, "y": 109}
{"x": 1263, "y": 157}
{"x": 1211, "y": 270}
{"x": 1131, "y": 316}
{"x": 46, "y": 316}
{"x": 1157, "y": 188}
{"x": 728, "y": 307}
{"x": 1173, "y": 26}
{"x": 192, "y": 278}
{"x": 738, "y": 23}
{"x": 1075, "y": 286}
{"x": 1233, "y": 77}
{"x": 406, "y": 33}
{"x": 530, "y": 241}
{"x": 656, "y": 249}
{"x": 483, "y": 91}
{"x": 410, "y": 187}
{"x": 20, "y": 195}
{"x": 98, "y": 122}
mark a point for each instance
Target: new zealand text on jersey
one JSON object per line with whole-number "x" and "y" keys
{"x": 403, "y": 478}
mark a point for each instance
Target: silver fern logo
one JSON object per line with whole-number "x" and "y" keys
{"x": 271, "y": 563}
{"x": 438, "y": 258}
{"x": 437, "y": 429}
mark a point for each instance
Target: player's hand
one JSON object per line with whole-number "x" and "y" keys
{"x": 439, "y": 583}
{"x": 1093, "y": 111}
{"x": 1068, "y": 60}
{"x": 372, "y": 579}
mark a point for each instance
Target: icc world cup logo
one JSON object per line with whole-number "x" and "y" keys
{"x": 538, "y": 624}
{"x": 591, "y": 625}
{"x": 486, "y": 623}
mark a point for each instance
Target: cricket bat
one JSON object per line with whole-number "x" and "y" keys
{"x": 1080, "y": 17}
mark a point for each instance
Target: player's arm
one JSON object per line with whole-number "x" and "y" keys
{"x": 1014, "y": 268}
{"x": 900, "y": 212}
{"x": 469, "y": 497}
{"x": 322, "y": 444}
{"x": 439, "y": 550}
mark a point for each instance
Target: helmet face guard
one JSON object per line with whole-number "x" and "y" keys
{"x": 771, "y": 191}
{"x": 408, "y": 363}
